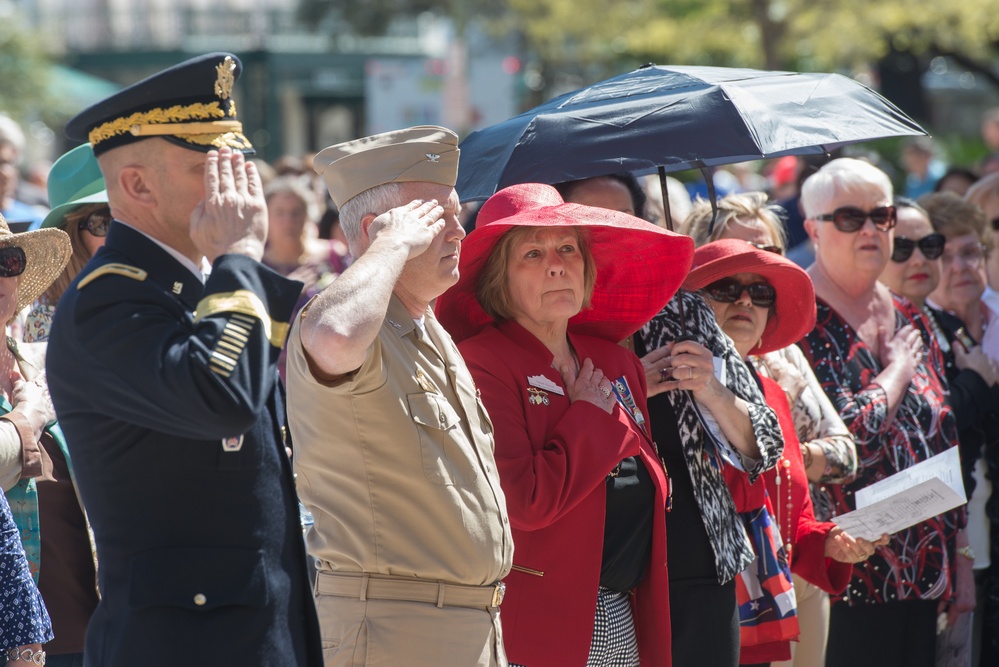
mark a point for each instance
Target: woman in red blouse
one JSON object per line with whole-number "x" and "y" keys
{"x": 764, "y": 302}
{"x": 878, "y": 362}
{"x": 547, "y": 289}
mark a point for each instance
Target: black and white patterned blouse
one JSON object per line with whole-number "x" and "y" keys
{"x": 23, "y": 617}
{"x": 728, "y": 539}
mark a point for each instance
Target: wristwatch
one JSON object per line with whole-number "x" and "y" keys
{"x": 967, "y": 553}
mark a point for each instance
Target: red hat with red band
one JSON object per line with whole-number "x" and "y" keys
{"x": 793, "y": 313}
{"x": 639, "y": 266}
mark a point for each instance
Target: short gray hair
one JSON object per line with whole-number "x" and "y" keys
{"x": 376, "y": 200}
{"x": 841, "y": 176}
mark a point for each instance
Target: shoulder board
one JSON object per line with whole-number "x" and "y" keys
{"x": 132, "y": 272}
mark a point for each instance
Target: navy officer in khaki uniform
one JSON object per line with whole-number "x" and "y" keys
{"x": 394, "y": 451}
{"x": 166, "y": 386}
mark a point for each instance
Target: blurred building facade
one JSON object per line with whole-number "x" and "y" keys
{"x": 304, "y": 87}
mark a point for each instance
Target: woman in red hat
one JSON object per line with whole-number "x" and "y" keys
{"x": 765, "y": 302}
{"x": 827, "y": 447}
{"x": 547, "y": 289}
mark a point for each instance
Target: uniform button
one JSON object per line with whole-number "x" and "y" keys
{"x": 443, "y": 419}
{"x": 200, "y": 599}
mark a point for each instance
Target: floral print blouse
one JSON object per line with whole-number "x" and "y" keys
{"x": 918, "y": 562}
{"x": 23, "y": 618}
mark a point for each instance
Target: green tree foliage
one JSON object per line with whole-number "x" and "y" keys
{"x": 23, "y": 70}
{"x": 769, "y": 34}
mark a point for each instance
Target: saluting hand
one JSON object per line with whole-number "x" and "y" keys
{"x": 232, "y": 218}
{"x": 414, "y": 225}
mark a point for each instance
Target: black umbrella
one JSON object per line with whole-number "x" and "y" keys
{"x": 676, "y": 118}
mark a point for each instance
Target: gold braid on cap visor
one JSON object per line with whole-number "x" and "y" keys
{"x": 186, "y": 122}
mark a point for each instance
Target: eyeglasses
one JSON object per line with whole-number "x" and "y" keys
{"x": 849, "y": 219}
{"x": 932, "y": 246}
{"x": 775, "y": 249}
{"x": 971, "y": 255}
{"x": 728, "y": 290}
{"x": 12, "y": 261}
{"x": 96, "y": 223}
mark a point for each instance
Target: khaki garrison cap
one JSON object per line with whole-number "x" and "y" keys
{"x": 426, "y": 153}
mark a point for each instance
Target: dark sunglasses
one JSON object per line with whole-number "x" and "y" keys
{"x": 850, "y": 219}
{"x": 12, "y": 261}
{"x": 728, "y": 290}
{"x": 931, "y": 246}
{"x": 775, "y": 249}
{"x": 96, "y": 223}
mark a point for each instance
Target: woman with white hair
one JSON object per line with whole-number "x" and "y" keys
{"x": 879, "y": 364}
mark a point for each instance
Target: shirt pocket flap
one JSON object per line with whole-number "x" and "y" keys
{"x": 198, "y": 578}
{"x": 432, "y": 411}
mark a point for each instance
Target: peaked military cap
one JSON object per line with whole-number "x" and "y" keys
{"x": 189, "y": 104}
{"x": 423, "y": 153}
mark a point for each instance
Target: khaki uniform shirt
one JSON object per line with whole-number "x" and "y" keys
{"x": 396, "y": 463}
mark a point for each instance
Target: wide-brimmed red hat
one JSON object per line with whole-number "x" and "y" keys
{"x": 793, "y": 314}
{"x": 639, "y": 266}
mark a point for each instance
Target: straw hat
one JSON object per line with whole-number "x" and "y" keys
{"x": 75, "y": 180}
{"x": 46, "y": 250}
{"x": 639, "y": 266}
{"x": 793, "y": 313}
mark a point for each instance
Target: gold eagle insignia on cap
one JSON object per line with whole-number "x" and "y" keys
{"x": 226, "y": 78}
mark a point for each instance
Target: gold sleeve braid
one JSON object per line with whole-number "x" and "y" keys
{"x": 248, "y": 304}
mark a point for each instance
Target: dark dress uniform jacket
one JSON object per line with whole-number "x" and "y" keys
{"x": 175, "y": 423}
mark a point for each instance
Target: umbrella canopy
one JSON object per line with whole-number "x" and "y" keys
{"x": 676, "y": 118}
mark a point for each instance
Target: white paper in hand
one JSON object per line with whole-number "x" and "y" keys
{"x": 929, "y": 488}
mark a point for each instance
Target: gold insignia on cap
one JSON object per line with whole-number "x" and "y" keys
{"x": 226, "y": 78}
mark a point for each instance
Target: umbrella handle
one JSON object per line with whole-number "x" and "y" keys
{"x": 665, "y": 192}
{"x": 709, "y": 182}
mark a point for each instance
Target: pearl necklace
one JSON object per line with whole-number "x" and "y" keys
{"x": 942, "y": 341}
{"x": 784, "y": 465}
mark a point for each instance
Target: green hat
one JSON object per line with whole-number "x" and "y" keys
{"x": 74, "y": 181}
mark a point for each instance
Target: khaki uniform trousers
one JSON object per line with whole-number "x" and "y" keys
{"x": 390, "y": 633}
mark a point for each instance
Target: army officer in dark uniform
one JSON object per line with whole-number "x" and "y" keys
{"x": 166, "y": 386}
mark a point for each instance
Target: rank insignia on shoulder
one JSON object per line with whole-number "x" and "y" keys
{"x": 125, "y": 270}
{"x": 233, "y": 444}
{"x": 537, "y": 396}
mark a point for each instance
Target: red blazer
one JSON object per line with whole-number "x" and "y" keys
{"x": 553, "y": 461}
{"x": 807, "y": 536}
